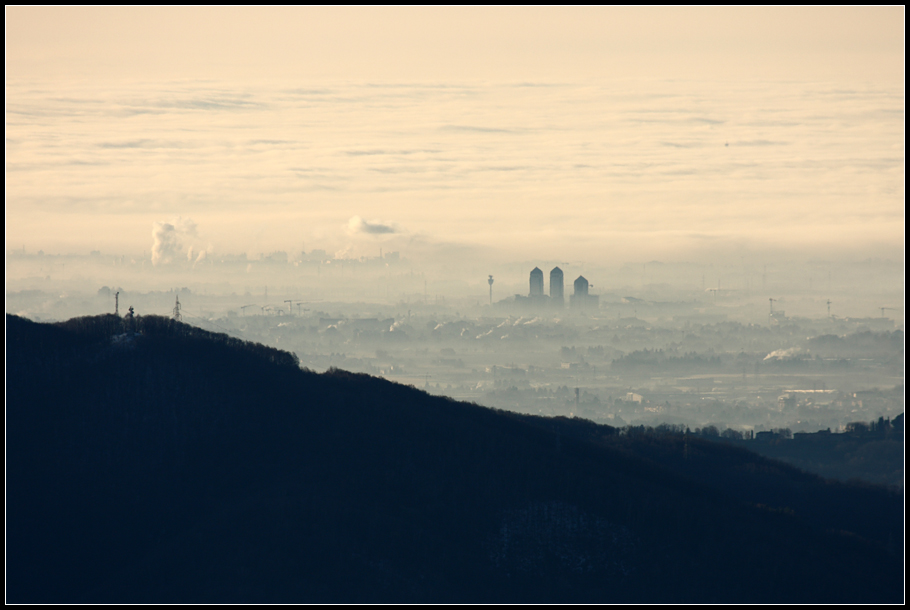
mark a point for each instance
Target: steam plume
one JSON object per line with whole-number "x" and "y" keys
{"x": 167, "y": 238}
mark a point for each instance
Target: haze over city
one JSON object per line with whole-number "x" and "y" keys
{"x": 458, "y": 304}
{"x": 384, "y": 163}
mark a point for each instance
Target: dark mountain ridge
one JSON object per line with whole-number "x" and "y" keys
{"x": 151, "y": 461}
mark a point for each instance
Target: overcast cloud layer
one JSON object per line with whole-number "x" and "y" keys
{"x": 640, "y": 167}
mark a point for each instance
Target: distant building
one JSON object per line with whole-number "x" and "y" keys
{"x": 786, "y": 402}
{"x": 766, "y": 436}
{"x": 315, "y": 256}
{"x": 581, "y": 286}
{"x": 279, "y": 257}
{"x": 581, "y": 299}
{"x": 536, "y": 283}
{"x": 556, "y": 288}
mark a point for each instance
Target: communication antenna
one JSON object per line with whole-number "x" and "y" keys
{"x": 829, "y": 307}
{"x": 177, "y": 310}
{"x": 117, "y": 303}
{"x": 490, "y": 282}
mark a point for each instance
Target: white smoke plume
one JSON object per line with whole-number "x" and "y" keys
{"x": 785, "y": 354}
{"x": 200, "y": 257}
{"x": 168, "y": 239}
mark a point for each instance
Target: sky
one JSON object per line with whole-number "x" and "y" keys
{"x": 594, "y": 134}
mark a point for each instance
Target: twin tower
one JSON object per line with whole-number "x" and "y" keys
{"x": 581, "y": 298}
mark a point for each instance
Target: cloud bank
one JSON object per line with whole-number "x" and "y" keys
{"x": 629, "y": 172}
{"x": 359, "y": 226}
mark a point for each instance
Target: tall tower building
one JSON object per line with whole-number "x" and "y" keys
{"x": 556, "y": 287}
{"x": 581, "y": 299}
{"x": 581, "y": 286}
{"x": 536, "y": 283}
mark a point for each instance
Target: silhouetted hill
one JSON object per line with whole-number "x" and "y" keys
{"x": 869, "y": 510}
{"x": 875, "y": 456}
{"x": 150, "y": 461}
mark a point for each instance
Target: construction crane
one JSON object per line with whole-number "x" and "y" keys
{"x": 243, "y": 308}
{"x": 272, "y": 311}
{"x": 771, "y": 310}
{"x": 299, "y": 303}
{"x": 883, "y": 310}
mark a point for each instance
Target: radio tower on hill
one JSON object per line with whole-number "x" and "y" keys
{"x": 177, "y": 310}
{"x": 490, "y": 282}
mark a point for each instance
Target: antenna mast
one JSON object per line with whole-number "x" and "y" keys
{"x": 117, "y": 303}
{"x": 177, "y": 310}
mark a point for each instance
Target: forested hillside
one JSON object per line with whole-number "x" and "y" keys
{"x": 150, "y": 461}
